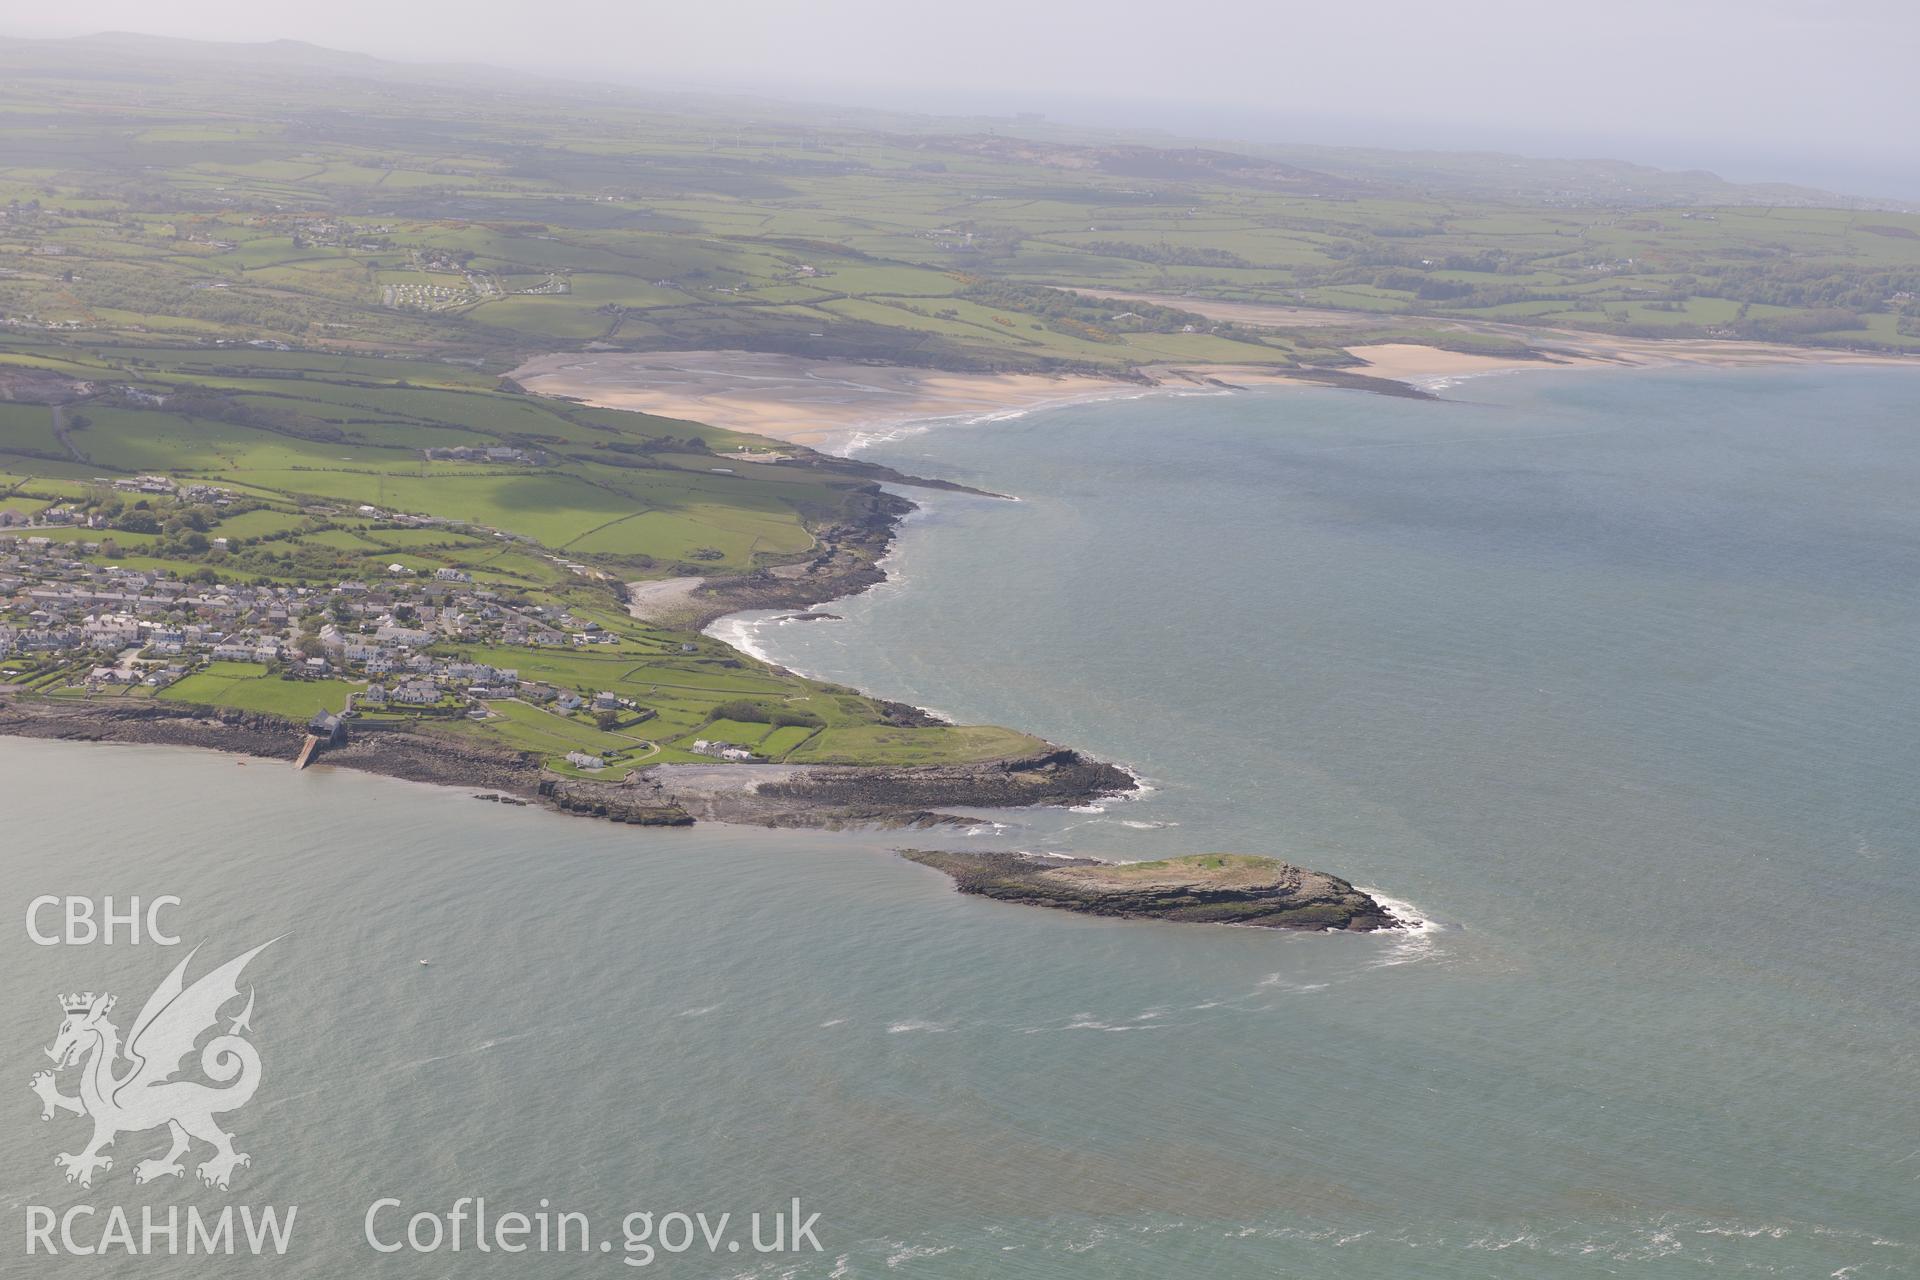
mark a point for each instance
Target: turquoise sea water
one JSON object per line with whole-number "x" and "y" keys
{"x": 1611, "y": 677}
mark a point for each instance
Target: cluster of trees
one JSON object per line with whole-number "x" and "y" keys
{"x": 185, "y": 533}
{"x": 1812, "y": 284}
{"x": 238, "y": 308}
{"x": 656, "y": 444}
{"x": 1080, "y": 315}
{"x": 1369, "y": 254}
{"x": 1434, "y": 289}
{"x": 1166, "y": 255}
{"x": 1422, "y": 285}
{"x": 182, "y": 528}
{"x": 1791, "y": 328}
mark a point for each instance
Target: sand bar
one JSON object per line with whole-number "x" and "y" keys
{"x": 1406, "y": 362}
{"x": 838, "y": 405}
{"x": 1570, "y": 348}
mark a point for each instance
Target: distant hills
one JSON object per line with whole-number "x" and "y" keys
{"x": 1315, "y": 169}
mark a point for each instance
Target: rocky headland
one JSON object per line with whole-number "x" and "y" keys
{"x": 792, "y": 795}
{"x": 829, "y": 796}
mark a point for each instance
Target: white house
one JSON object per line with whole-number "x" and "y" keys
{"x": 415, "y": 693}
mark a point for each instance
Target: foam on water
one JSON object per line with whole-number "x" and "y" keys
{"x": 892, "y": 431}
{"x": 1415, "y": 935}
{"x": 1445, "y": 382}
{"x": 745, "y": 632}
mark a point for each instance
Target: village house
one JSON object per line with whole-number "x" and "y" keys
{"x": 111, "y": 631}
{"x": 721, "y": 749}
{"x": 412, "y": 637}
{"x": 418, "y": 693}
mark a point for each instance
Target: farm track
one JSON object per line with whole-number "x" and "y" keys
{"x": 63, "y": 433}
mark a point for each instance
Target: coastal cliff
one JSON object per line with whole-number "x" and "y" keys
{"x": 846, "y": 563}
{"x": 788, "y": 795}
{"x": 830, "y": 796}
{"x": 1205, "y": 888}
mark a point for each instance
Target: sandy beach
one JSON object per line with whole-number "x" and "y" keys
{"x": 823, "y": 404}
{"x": 662, "y": 601}
{"x": 836, "y": 406}
{"x": 1567, "y": 348}
{"x": 1406, "y": 362}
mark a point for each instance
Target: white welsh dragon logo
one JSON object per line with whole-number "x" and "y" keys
{"x": 145, "y": 1095}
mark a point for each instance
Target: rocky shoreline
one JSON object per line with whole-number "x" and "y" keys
{"x": 826, "y": 796}
{"x": 1206, "y": 888}
{"x": 785, "y": 795}
{"x": 847, "y": 563}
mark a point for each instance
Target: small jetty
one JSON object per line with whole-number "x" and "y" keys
{"x": 325, "y": 730}
{"x": 308, "y": 749}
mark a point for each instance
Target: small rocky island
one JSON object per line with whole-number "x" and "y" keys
{"x": 1201, "y": 888}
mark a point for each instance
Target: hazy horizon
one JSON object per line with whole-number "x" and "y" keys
{"x": 1756, "y": 92}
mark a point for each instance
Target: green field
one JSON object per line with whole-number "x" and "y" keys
{"x": 252, "y": 687}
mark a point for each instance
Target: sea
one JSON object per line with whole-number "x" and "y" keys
{"x": 1606, "y": 681}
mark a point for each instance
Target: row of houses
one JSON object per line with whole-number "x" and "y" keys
{"x": 151, "y": 623}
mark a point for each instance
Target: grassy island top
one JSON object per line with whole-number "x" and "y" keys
{"x": 1220, "y": 870}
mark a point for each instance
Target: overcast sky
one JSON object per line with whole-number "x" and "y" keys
{"x": 1820, "y": 92}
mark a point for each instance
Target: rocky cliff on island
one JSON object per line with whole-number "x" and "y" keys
{"x": 1201, "y": 888}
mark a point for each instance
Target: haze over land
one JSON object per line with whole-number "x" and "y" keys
{"x": 1773, "y": 90}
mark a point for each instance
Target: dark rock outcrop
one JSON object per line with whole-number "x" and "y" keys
{"x": 1206, "y": 888}
{"x": 1054, "y": 777}
{"x": 812, "y": 795}
{"x": 614, "y": 803}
